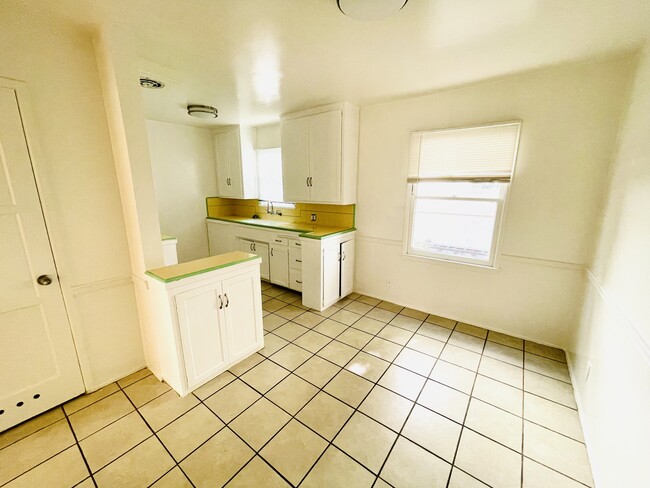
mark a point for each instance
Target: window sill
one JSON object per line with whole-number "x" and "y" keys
{"x": 453, "y": 264}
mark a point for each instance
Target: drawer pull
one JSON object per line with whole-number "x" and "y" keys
{"x": 278, "y": 240}
{"x": 298, "y": 260}
{"x": 298, "y": 281}
{"x": 298, "y": 244}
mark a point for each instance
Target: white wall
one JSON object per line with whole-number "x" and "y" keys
{"x": 570, "y": 119}
{"x": 184, "y": 175}
{"x": 78, "y": 189}
{"x": 614, "y": 329}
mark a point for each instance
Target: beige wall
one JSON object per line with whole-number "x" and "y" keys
{"x": 184, "y": 175}
{"x": 78, "y": 189}
{"x": 613, "y": 336}
{"x": 570, "y": 120}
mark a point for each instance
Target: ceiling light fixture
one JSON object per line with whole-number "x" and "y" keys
{"x": 202, "y": 111}
{"x": 370, "y": 9}
{"x": 146, "y": 82}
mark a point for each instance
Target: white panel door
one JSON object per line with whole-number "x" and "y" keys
{"x": 325, "y": 157}
{"x": 38, "y": 361}
{"x": 279, "y": 265}
{"x": 202, "y": 333}
{"x": 331, "y": 275}
{"x": 347, "y": 267}
{"x": 243, "y": 314}
{"x": 223, "y": 164}
{"x": 295, "y": 159}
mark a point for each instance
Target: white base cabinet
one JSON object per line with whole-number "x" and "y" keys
{"x": 262, "y": 250}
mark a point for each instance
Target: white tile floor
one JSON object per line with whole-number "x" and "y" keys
{"x": 366, "y": 393}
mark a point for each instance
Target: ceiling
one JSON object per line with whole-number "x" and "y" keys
{"x": 257, "y": 59}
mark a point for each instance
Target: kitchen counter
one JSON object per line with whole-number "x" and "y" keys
{"x": 177, "y": 272}
{"x": 303, "y": 228}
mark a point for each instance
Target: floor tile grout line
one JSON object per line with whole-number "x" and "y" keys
{"x": 83, "y": 455}
{"x": 34, "y": 432}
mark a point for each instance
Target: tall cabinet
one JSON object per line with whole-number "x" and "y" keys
{"x": 236, "y": 162}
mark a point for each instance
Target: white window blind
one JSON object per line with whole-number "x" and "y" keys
{"x": 468, "y": 154}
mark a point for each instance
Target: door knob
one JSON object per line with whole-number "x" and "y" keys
{"x": 44, "y": 280}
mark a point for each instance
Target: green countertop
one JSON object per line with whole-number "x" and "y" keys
{"x": 176, "y": 272}
{"x": 304, "y": 230}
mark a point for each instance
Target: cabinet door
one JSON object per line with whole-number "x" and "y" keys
{"x": 223, "y": 165}
{"x": 325, "y": 157}
{"x": 245, "y": 245}
{"x": 280, "y": 265}
{"x": 234, "y": 163}
{"x": 243, "y": 314}
{"x": 262, "y": 250}
{"x": 295, "y": 159}
{"x": 347, "y": 267}
{"x": 202, "y": 333}
{"x": 331, "y": 276}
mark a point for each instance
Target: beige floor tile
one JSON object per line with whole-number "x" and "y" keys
{"x": 366, "y": 440}
{"x": 467, "y": 341}
{"x": 328, "y": 312}
{"x": 346, "y": 317}
{"x": 29, "y": 427}
{"x": 408, "y": 323}
{"x": 432, "y": 431}
{"x": 383, "y": 349}
{"x": 272, "y": 344}
{"x": 257, "y": 473}
{"x": 63, "y": 470}
{"x": 330, "y": 328}
{"x": 189, "y": 431}
{"x": 411, "y": 466}
{"x": 499, "y": 394}
{"x": 553, "y": 416}
{"x": 220, "y": 381}
{"x": 272, "y": 322}
{"x": 259, "y": 423}
{"x": 325, "y": 415}
{"x": 488, "y": 461}
{"x": 359, "y": 307}
{"x": 309, "y": 319}
{"x": 292, "y": 393}
{"x": 290, "y": 331}
{"x": 289, "y": 296}
{"x": 557, "y": 452}
{"x": 402, "y": 381}
{"x": 460, "y": 357}
{"x": 368, "y": 366}
{"x": 441, "y": 321}
{"x": 538, "y": 476}
{"x": 395, "y": 334}
{"x": 366, "y": 299}
{"x": 338, "y": 353}
{"x": 497, "y": 424}
{"x": 173, "y": 479}
{"x": 506, "y": 340}
{"x": 471, "y": 330}
{"x": 100, "y": 414}
{"x": 231, "y": 400}
{"x": 451, "y": 375}
{"x": 369, "y": 325}
{"x": 87, "y": 483}
{"x": 444, "y": 400}
{"x": 335, "y": 469}
{"x": 290, "y": 357}
{"x": 379, "y": 483}
{"x": 434, "y": 331}
{"x": 391, "y": 307}
{"x": 244, "y": 365}
{"x": 145, "y": 390}
{"x": 317, "y": 371}
{"x": 355, "y": 338}
{"x": 133, "y": 377}
{"x": 275, "y": 291}
{"x": 84, "y": 400}
{"x": 550, "y": 388}
{"x": 548, "y": 367}
{"x": 415, "y": 314}
{"x": 312, "y": 341}
{"x": 265, "y": 376}
{"x": 349, "y": 388}
{"x": 114, "y": 440}
{"x": 386, "y": 407}
{"x": 504, "y": 353}
{"x": 141, "y": 466}
{"x": 426, "y": 345}
{"x": 166, "y": 408}
{"x": 381, "y": 315}
{"x": 216, "y": 461}
{"x": 504, "y": 372}
{"x": 272, "y": 305}
{"x": 546, "y": 351}
{"x": 343, "y": 302}
{"x": 293, "y": 451}
{"x": 460, "y": 479}
{"x": 415, "y": 361}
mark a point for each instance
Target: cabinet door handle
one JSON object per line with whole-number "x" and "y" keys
{"x": 220, "y": 302}
{"x": 278, "y": 240}
{"x": 254, "y": 246}
{"x": 227, "y": 299}
{"x": 307, "y": 181}
{"x": 298, "y": 281}
{"x": 311, "y": 181}
{"x": 298, "y": 244}
{"x": 271, "y": 251}
{"x": 343, "y": 256}
{"x": 298, "y": 260}
{"x": 250, "y": 246}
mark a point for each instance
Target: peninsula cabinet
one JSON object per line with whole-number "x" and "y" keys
{"x": 236, "y": 162}
{"x": 319, "y": 154}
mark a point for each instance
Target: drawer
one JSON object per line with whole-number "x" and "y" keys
{"x": 280, "y": 241}
{"x": 295, "y": 258}
{"x": 295, "y": 279}
{"x": 295, "y": 243}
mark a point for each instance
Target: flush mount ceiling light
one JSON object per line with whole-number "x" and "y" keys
{"x": 370, "y": 9}
{"x": 202, "y": 111}
{"x": 146, "y": 82}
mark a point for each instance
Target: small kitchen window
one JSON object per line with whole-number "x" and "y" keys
{"x": 457, "y": 188}
{"x": 269, "y": 177}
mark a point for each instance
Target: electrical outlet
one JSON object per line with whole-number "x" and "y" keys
{"x": 588, "y": 372}
{"x": 313, "y": 217}
{"x": 389, "y": 284}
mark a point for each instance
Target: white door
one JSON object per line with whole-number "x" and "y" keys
{"x": 295, "y": 159}
{"x": 347, "y": 267}
{"x": 280, "y": 265}
{"x": 331, "y": 275}
{"x": 222, "y": 161}
{"x": 243, "y": 314}
{"x": 325, "y": 157}
{"x": 38, "y": 361}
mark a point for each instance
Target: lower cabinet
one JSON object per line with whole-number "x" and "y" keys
{"x": 279, "y": 265}
{"x": 262, "y": 250}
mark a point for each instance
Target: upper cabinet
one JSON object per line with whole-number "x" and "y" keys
{"x": 319, "y": 154}
{"x": 234, "y": 157}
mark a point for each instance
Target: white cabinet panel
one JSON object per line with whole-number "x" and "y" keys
{"x": 295, "y": 258}
{"x": 331, "y": 274}
{"x": 236, "y": 164}
{"x": 295, "y": 279}
{"x": 262, "y": 250}
{"x": 295, "y": 159}
{"x": 279, "y": 265}
{"x": 223, "y": 164}
{"x": 347, "y": 267}
{"x": 221, "y": 238}
{"x": 325, "y": 157}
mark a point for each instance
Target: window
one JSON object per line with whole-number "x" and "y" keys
{"x": 458, "y": 183}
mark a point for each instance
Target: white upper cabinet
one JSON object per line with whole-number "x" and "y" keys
{"x": 319, "y": 154}
{"x": 236, "y": 164}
